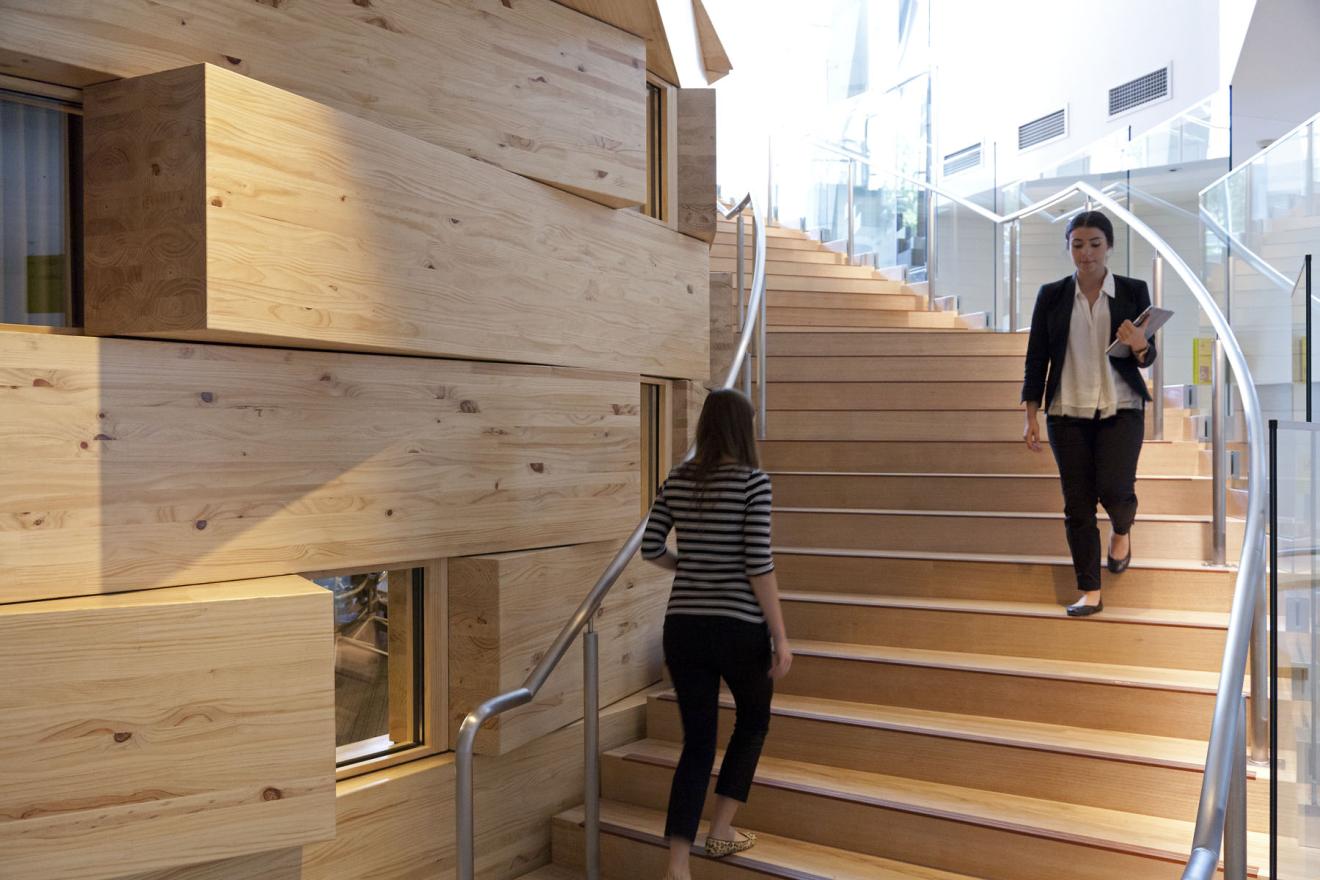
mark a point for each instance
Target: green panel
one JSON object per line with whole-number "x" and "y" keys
{"x": 45, "y": 284}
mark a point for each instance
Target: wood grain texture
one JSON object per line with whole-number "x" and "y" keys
{"x": 223, "y": 209}
{"x": 531, "y": 86}
{"x": 639, "y": 17}
{"x": 165, "y": 727}
{"x": 137, "y": 464}
{"x": 505, "y": 610}
{"x": 723, "y": 324}
{"x": 714, "y": 59}
{"x": 695, "y": 163}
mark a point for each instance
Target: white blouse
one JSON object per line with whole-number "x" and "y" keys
{"x": 1089, "y": 382}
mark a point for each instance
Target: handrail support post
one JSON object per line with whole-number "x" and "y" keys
{"x": 1219, "y": 458}
{"x": 591, "y": 745}
{"x": 1235, "y": 816}
{"x": 852, "y": 217}
{"x": 1014, "y": 292}
{"x": 1157, "y": 373}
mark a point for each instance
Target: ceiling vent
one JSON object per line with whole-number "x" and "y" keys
{"x": 1138, "y": 92}
{"x": 967, "y": 157}
{"x": 1046, "y": 128}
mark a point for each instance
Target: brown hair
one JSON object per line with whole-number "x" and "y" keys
{"x": 724, "y": 433}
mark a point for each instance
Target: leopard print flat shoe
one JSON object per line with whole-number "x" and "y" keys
{"x": 718, "y": 849}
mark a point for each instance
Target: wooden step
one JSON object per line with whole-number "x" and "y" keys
{"x": 1153, "y": 775}
{"x": 1154, "y": 536}
{"x": 905, "y": 368}
{"x": 892, "y": 395}
{"x": 785, "y": 298}
{"x": 1129, "y": 637}
{"x": 943, "y": 491}
{"x": 553, "y": 872}
{"x": 796, "y": 267}
{"x": 1159, "y": 702}
{"x": 784, "y": 243}
{"x": 728, "y": 253}
{"x": 838, "y": 285}
{"x": 726, "y": 226}
{"x": 993, "y": 421}
{"x": 1193, "y": 587}
{"x": 999, "y": 836}
{"x": 953, "y": 344}
{"x": 974, "y": 456}
{"x": 633, "y": 846}
{"x": 820, "y": 317}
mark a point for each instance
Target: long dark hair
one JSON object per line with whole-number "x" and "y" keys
{"x": 724, "y": 434}
{"x": 1090, "y": 220}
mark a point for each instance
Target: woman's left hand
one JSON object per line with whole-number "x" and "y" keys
{"x": 1131, "y": 336}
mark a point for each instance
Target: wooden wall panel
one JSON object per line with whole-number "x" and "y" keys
{"x": 688, "y": 399}
{"x": 529, "y": 86}
{"x": 640, "y": 17}
{"x": 695, "y": 163}
{"x": 723, "y": 324}
{"x": 132, "y": 464}
{"x": 165, "y": 727}
{"x": 505, "y": 610}
{"x": 309, "y": 227}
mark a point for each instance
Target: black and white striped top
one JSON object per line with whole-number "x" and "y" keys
{"x": 723, "y": 540}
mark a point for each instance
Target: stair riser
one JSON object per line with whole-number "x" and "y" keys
{"x": 1055, "y": 638}
{"x": 1153, "y": 539}
{"x": 920, "y": 492}
{"x": 875, "y": 286}
{"x": 728, "y": 255}
{"x": 1146, "y": 789}
{"x": 1008, "y": 582}
{"x": 773, "y": 243}
{"x": 917, "y": 368}
{"x": 821, "y": 317}
{"x": 792, "y": 297}
{"x": 794, "y": 267}
{"x": 889, "y": 395}
{"x": 964, "y": 457}
{"x": 1004, "y": 424}
{"x": 920, "y": 839}
{"x": 624, "y": 858}
{"x": 1149, "y": 710}
{"x": 961, "y": 343}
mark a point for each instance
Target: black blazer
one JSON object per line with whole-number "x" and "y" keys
{"x": 1048, "y": 343}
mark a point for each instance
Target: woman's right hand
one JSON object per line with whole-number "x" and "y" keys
{"x": 1031, "y": 433}
{"x": 781, "y": 660}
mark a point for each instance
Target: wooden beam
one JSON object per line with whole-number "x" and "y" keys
{"x": 696, "y": 163}
{"x": 223, "y": 209}
{"x": 506, "y": 610}
{"x": 531, "y": 86}
{"x": 641, "y": 18}
{"x": 714, "y": 60}
{"x": 161, "y": 728}
{"x": 136, "y": 464}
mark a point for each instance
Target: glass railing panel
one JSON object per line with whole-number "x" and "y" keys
{"x": 1295, "y": 650}
{"x": 967, "y": 246}
{"x": 1303, "y": 307}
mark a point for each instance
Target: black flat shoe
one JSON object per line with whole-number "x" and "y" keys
{"x": 1085, "y": 610}
{"x": 1118, "y": 566}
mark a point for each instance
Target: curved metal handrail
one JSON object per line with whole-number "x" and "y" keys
{"x": 587, "y": 609}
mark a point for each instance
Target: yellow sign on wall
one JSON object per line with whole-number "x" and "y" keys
{"x": 45, "y": 284}
{"x": 1203, "y": 361}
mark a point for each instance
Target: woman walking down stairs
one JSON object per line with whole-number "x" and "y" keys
{"x": 944, "y": 719}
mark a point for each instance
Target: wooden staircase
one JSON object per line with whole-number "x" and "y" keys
{"x": 944, "y": 719}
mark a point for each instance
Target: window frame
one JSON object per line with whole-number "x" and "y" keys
{"x": 657, "y": 429}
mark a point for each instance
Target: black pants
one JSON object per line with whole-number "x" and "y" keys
{"x": 1097, "y": 461}
{"x": 699, "y": 651}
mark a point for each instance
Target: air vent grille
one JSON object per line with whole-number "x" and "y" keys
{"x": 967, "y": 157}
{"x": 1142, "y": 90}
{"x": 1047, "y": 128}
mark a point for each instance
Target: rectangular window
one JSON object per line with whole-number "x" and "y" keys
{"x": 379, "y": 663}
{"x": 655, "y": 151}
{"x": 40, "y": 208}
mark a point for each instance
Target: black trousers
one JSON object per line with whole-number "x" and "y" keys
{"x": 1097, "y": 461}
{"x": 699, "y": 651}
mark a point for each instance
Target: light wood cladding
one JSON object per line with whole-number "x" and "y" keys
{"x": 134, "y": 464}
{"x": 639, "y": 17}
{"x": 531, "y": 86}
{"x": 222, "y": 209}
{"x": 165, "y": 727}
{"x": 505, "y": 611}
{"x": 714, "y": 60}
{"x": 695, "y": 163}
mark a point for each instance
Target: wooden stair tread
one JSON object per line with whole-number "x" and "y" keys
{"x": 552, "y": 872}
{"x": 1186, "y": 680}
{"x": 1008, "y": 559}
{"x": 773, "y": 855}
{"x": 996, "y": 514}
{"x": 1053, "y": 478}
{"x": 1109, "y": 744}
{"x": 1074, "y": 823}
{"x": 1155, "y": 616}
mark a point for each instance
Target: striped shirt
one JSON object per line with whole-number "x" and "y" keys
{"x": 723, "y": 540}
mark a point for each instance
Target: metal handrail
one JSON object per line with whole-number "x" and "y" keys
{"x": 585, "y": 614}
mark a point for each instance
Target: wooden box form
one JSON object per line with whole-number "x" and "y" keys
{"x": 531, "y": 87}
{"x": 165, "y": 727}
{"x": 132, "y": 464}
{"x": 222, "y": 209}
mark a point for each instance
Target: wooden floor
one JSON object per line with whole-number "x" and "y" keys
{"x": 944, "y": 718}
